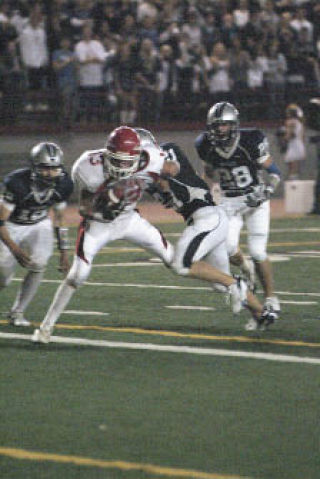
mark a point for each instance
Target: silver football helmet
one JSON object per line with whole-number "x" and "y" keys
{"x": 46, "y": 155}
{"x": 146, "y": 138}
{"x": 223, "y": 113}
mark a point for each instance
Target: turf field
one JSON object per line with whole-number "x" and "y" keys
{"x": 151, "y": 376}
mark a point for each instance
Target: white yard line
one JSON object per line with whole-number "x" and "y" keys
{"x": 303, "y": 303}
{"x": 284, "y": 358}
{"x": 136, "y": 263}
{"x": 85, "y": 313}
{"x": 191, "y": 308}
{"x": 161, "y": 286}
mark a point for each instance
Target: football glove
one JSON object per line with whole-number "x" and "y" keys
{"x": 258, "y": 195}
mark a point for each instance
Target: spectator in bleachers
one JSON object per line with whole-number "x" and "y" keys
{"x": 64, "y": 64}
{"x": 300, "y": 21}
{"x": 228, "y": 30}
{"x": 148, "y": 30}
{"x": 167, "y": 83}
{"x": 172, "y": 36}
{"x": 192, "y": 27}
{"x": 128, "y": 29}
{"x": 147, "y": 76}
{"x": 7, "y": 31}
{"x": 35, "y": 55}
{"x": 218, "y": 73}
{"x": 13, "y": 82}
{"x": 148, "y": 8}
{"x": 91, "y": 56}
{"x": 81, "y": 15}
{"x": 241, "y": 15}
{"x": 210, "y": 31}
{"x": 125, "y": 85}
{"x": 239, "y": 65}
{"x": 269, "y": 16}
{"x": 275, "y": 79}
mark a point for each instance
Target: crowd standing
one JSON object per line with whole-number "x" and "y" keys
{"x": 126, "y": 60}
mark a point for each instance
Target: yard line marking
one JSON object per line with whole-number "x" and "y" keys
{"x": 284, "y": 358}
{"x": 84, "y": 313}
{"x": 161, "y": 286}
{"x": 116, "y": 464}
{"x": 176, "y": 334}
{"x": 137, "y": 263}
{"x": 298, "y": 302}
{"x": 192, "y": 308}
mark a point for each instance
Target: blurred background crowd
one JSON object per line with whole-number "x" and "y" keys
{"x": 127, "y": 61}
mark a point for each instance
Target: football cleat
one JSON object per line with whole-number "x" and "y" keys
{"x": 16, "y": 319}
{"x": 41, "y": 336}
{"x": 273, "y": 303}
{"x": 238, "y": 294}
{"x": 268, "y": 317}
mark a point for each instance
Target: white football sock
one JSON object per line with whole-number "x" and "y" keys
{"x": 59, "y": 302}
{"x": 27, "y": 290}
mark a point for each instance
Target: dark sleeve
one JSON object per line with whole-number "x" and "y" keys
{"x": 65, "y": 188}
{"x": 11, "y": 190}
{"x": 199, "y": 146}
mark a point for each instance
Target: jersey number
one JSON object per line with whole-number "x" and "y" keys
{"x": 240, "y": 176}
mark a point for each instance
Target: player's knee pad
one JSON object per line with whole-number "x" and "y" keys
{"x": 258, "y": 249}
{"x": 37, "y": 267}
{"x": 78, "y": 273}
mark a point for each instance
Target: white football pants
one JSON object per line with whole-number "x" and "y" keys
{"x": 129, "y": 226}
{"x": 204, "y": 239}
{"x": 257, "y": 221}
{"x": 36, "y": 239}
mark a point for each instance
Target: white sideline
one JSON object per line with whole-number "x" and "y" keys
{"x": 284, "y": 358}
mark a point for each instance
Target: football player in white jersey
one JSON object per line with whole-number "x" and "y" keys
{"x": 110, "y": 181}
{"x": 240, "y": 156}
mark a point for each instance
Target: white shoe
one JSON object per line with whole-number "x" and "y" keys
{"x": 252, "y": 325}
{"x": 41, "y": 336}
{"x": 16, "y": 319}
{"x": 238, "y": 295}
{"x": 273, "y": 303}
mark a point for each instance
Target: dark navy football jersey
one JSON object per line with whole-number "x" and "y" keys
{"x": 31, "y": 203}
{"x": 189, "y": 191}
{"x": 241, "y": 167}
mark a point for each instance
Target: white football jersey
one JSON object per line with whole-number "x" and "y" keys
{"x": 88, "y": 174}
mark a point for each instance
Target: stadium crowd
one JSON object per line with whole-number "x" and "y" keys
{"x": 158, "y": 60}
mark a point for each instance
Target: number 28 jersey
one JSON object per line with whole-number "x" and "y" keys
{"x": 239, "y": 168}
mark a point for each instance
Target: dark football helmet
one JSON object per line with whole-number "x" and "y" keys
{"x": 46, "y": 155}
{"x": 122, "y": 152}
{"x": 220, "y": 116}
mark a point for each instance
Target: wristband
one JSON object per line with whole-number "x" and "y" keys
{"x": 2, "y": 222}
{"x": 62, "y": 238}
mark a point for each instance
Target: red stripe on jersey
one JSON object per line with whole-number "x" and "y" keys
{"x": 80, "y": 240}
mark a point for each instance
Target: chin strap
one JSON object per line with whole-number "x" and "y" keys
{"x": 62, "y": 235}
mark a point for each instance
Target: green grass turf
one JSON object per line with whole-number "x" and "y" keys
{"x": 246, "y": 417}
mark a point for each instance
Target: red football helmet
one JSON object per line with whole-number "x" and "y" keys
{"x": 123, "y": 150}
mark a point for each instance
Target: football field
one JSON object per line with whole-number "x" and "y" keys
{"x": 149, "y": 375}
